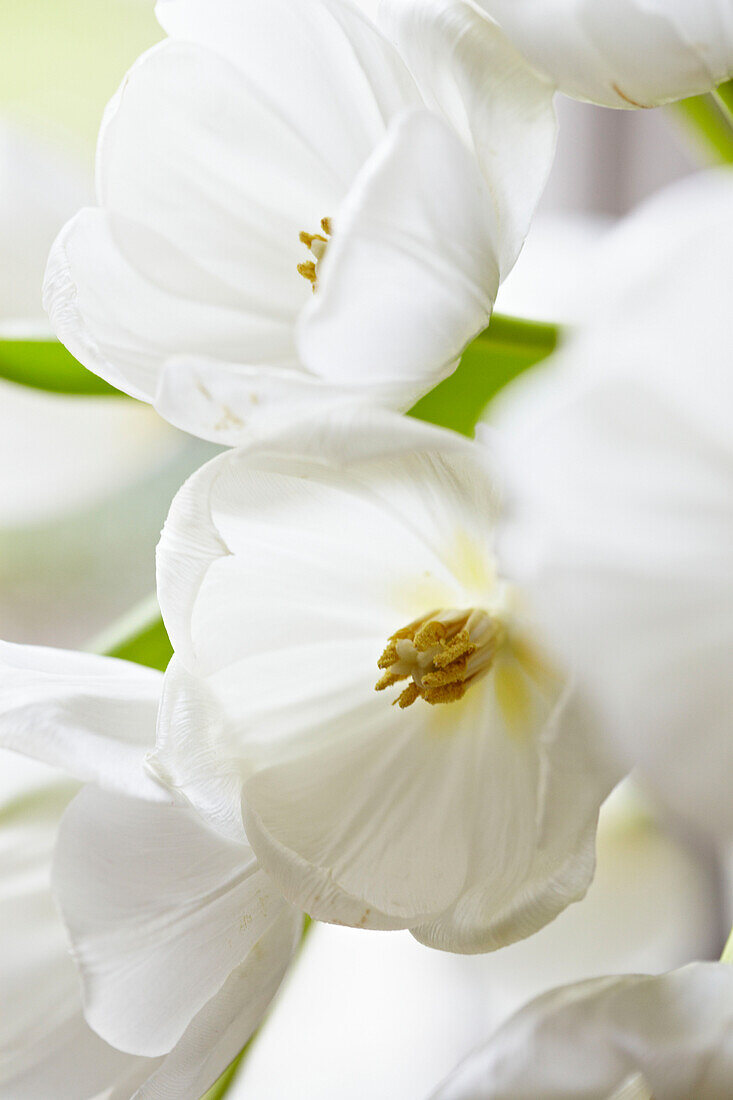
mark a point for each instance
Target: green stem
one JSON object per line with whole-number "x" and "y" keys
{"x": 711, "y": 126}
{"x": 45, "y": 364}
{"x": 724, "y": 96}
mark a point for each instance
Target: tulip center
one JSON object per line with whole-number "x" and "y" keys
{"x": 316, "y": 243}
{"x": 441, "y": 655}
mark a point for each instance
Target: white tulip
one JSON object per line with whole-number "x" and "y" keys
{"x": 267, "y": 151}
{"x": 178, "y": 937}
{"x": 295, "y": 577}
{"x": 627, "y": 1038}
{"x": 622, "y": 53}
{"x": 621, "y": 466}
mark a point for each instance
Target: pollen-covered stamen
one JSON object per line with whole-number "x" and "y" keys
{"x": 317, "y": 243}
{"x": 441, "y": 654}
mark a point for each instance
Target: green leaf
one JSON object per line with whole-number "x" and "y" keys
{"x": 45, "y": 364}
{"x": 139, "y": 636}
{"x": 509, "y": 346}
{"x": 710, "y": 125}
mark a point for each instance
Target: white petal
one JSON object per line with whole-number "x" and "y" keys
{"x": 224, "y": 554}
{"x": 670, "y": 1036}
{"x": 235, "y": 405}
{"x": 221, "y": 1029}
{"x": 468, "y": 70}
{"x": 111, "y": 300}
{"x": 550, "y": 786}
{"x": 623, "y": 53}
{"x": 326, "y": 69}
{"x": 412, "y": 271}
{"x": 45, "y": 1045}
{"x": 158, "y": 939}
{"x": 93, "y": 717}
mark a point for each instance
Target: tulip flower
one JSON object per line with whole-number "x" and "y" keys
{"x": 178, "y": 937}
{"x": 288, "y": 212}
{"x": 356, "y": 685}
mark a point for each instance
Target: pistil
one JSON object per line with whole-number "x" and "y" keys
{"x": 317, "y": 244}
{"x": 441, "y": 654}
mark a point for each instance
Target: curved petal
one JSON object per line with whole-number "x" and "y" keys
{"x": 257, "y": 530}
{"x": 236, "y": 405}
{"x": 670, "y": 1036}
{"x": 552, "y": 786}
{"x": 355, "y": 79}
{"x": 93, "y": 717}
{"x": 109, "y": 296}
{"x": 624, "y": 53}
{"x": 411, "y": 274}
{"x": 156, "y": 941}
{"x": 222, "y": 1028}
{"x": 468, "y": 71}
{"x": 208, "y": 116}
{"x": 45, "y": 1045}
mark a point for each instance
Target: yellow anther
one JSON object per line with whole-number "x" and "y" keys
{"x": 448, "y": 693}
{"x": 449, "y": 675}
{"x": 460, "y": 646}
{"x": 408, "y": 696}
{"x": 308, "y": 271}
{"x": 388, "y": 679}
{"x": 388, "y": 657}
{"x": 432, "y": 633}
{"x": 442, "y": 653}
{"x": 317, "y": 243}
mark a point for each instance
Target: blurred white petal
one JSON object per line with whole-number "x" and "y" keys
{"x": 623, "y": 53}
{"x": 619, "y": 460}
{"x": 631, "y": 1037}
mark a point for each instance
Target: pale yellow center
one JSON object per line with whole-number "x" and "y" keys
{"x": 441, "y": 654}
{"x": 316, "y": 243}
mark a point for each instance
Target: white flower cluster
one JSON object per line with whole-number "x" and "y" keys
{"x": 305, "y": 211}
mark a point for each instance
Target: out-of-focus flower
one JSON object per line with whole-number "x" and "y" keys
{"x": 626, "y": 1038}
{"x": 621, "y": 467}
{"x": 84, "y": 482}
{"x": 651, "y": 907}
{"x": 298, "y": 575}
{"x": 304, "y": 156}
{"x": 622, "y": 53}
{"x": 178, "y": 937}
